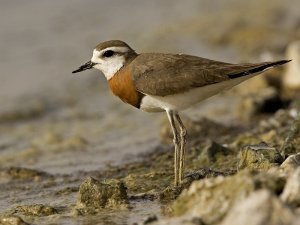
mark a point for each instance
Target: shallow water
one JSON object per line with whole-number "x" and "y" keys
{"x": 65, "y": 124}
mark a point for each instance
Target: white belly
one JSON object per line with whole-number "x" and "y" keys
{"x": 177, "y": 102}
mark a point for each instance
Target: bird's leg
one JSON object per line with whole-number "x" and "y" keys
{"x": 183, "y": 133}
{"x": 171, "y": 117}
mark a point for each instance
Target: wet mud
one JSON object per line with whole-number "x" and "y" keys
{"x": 70, "y": 153}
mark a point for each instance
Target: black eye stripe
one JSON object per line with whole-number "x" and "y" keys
{"x": 108, "y": 53}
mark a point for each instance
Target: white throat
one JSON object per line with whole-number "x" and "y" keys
{"x": 108, "y": 66}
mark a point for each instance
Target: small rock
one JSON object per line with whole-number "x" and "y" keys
{"x": 12, "y": 220}
{"x": 35, "y": 210}
{"x": 95, "y": 195}
{"x": 291, "y": 191}
{"x": 260, "y": 208}
{"x": 148, "y": 220}
{"x": 291, "y": 142}
{"x": 291, "y": 77}
{"x": 259, "y": 157}
{"x": 212, "y": 198}
{"x": 203, "y": 173}
{"x": 183, "y": 220}
{"x": 291, "y": 163}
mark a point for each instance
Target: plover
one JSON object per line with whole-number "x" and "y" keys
{"x": 158, "y": 82}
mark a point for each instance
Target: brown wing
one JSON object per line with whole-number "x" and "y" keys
{"x": 167, "y": 74}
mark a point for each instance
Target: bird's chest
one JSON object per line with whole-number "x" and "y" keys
{"x": 121, "y": 84}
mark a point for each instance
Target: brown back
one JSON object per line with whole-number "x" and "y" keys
{"x": 167, "y": 74}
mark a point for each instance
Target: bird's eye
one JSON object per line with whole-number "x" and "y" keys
{"x": 108, "y": 53}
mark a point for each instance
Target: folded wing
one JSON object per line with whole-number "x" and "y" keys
{"x": 167, "y": 74}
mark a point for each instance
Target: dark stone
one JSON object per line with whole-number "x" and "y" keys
{"x": 260, "y": 157}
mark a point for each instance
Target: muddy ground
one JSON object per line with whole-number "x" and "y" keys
{"x": 70, "y": 153}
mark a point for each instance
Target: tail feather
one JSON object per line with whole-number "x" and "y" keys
{"x": 259, "y": 68}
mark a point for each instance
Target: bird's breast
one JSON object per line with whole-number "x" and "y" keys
{"x": 122, "y": 85}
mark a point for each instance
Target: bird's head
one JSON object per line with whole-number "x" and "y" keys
{"x": 109, "y": 57}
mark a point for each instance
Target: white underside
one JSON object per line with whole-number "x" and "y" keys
{"x": 184, "y": 100}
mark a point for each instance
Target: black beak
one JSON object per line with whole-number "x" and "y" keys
{"x": 86, "y": 66}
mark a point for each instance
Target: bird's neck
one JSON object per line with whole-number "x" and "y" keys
{"x": 128, "y": 59}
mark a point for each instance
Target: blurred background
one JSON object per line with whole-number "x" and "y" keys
{"x": 56, "y": 127}
{"x": 59, "y": 122}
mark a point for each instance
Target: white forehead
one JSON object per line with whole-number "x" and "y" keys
{"x": 97, "y": 54}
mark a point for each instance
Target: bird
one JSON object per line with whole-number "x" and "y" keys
{"x": 165, "y": 82}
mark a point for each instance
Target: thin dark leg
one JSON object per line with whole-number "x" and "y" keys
{"x": 171, "y": 118}
{"x": 183, "y": 133}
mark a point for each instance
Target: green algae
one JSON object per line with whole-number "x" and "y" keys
{"x": 35, "y": 210}
{"x": 24, "y": 173}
